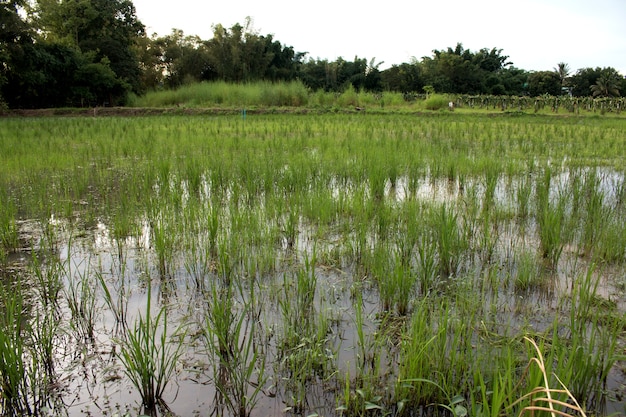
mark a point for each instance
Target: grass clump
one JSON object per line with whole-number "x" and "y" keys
{"x": 436, "y": 102}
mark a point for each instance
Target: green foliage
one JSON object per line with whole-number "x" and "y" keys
{"x": 583, "y": 81}
{"x": 436, "y": 102}
{"x": 607, "y": 85}
{"x": 544, "y": 82}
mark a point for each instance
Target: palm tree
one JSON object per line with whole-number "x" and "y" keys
{"x": 562, "y": 70}
{"x": 607, "y": 85}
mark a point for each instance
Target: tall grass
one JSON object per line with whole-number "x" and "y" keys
{"x": 222, "y": 94}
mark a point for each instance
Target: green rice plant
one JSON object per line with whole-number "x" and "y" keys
{"x": 381, "y": 270}
{"x": 527, "y": 273}
{"x": 9, "y": 235}
{"x": 148, "y": 358}
{"x": 14, "y": 397}
{"x": 363, "y": 350}
{"x": 449, "y": 239}
{"x": 427, "y": 263}
{"x": 239, "y": 369}
{"x": 591, "y": 349}
{"x": 297, "y": 307}
{"x": 596, "y": 213}
{"x": 523, "y": 193}
{"x": 47, "y": 273}
{"x": 307, "y": 362}
{"x": 43, "y": 333}
{"x": 416, "y": 364}
{"x": 403, "y": 281}
{"x": 291, "y": 228}
{"x": 27, "y": 355}
{"x": 492, "y": 175}
{"x": 213, "y": 227}
{"x": 409, "y": 230}
{"x": 377, "y": 181}
{"x": 550, "y": 221}
{"x": 550, "y": 233}
{"x": 116, "y": 298}
{"x": 611, "y": 245}
{"x": 81, "y": 298}
{"x": 493, "y": 394}
{"x": 303, "y": 353}
{"x": 197, "y": 263}
{"x": 163, "y": 237}
{"x": 488, "y": 237}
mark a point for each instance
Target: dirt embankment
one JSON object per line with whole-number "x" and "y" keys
{"x": 145, "y": 111}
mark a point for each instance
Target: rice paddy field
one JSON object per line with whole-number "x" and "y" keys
{"x": 313, "y": 265}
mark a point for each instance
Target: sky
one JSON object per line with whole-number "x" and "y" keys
{"x": 536, "y": 35}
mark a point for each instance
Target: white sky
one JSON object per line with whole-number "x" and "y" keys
{"x": 535, "y": 34}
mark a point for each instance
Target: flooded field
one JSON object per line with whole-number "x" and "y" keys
{"x": 312, "y": 265}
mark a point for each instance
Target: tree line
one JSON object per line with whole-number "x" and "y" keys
{"x": 57, "y": 53}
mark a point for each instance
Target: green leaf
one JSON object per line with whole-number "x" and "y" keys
{"x": 460, "y": 411}
{"x": 372, "y": 406}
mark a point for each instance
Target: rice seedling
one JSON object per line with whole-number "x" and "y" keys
{"x": 550, "y": 223}
{"x": 523, "y": 195}
{"x": 27, "y": 349}
{"x": 239, "y": 366}
{"x": 48, "y": 273}
{"x": 427, "y": 264}
{"x": 449, "y": 239}
{"x": 81, "y": 299}
{"x": 297, "y": 307}
{"x": 148, "y": 358}
{"x": 527, "y": 272}
{"x": 14, "y": 396}
{"x": 9, "y": 238}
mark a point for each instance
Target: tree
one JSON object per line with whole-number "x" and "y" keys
{"x": 15, "y": 34}
{"x": 459, "y": 70}
{"x": 544, "y": 82}
{"x": 514, "y": 80}
{"x": 607, "y": 85}
{"x": 373, "y": 80}
{"x": 582, "y": 82}
{"x": 316, "y": 74}
{"x": 405, "y": 78}
{"x": 107, "y": 28}
{"x": 491, "y": 61}
{"x": 562, "y": 70}
{"x": 176, "y": 59}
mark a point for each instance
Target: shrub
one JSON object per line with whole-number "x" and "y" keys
{"x": 436, "y": 102}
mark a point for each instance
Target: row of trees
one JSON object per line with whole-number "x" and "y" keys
{"x": 87, "y": 52}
